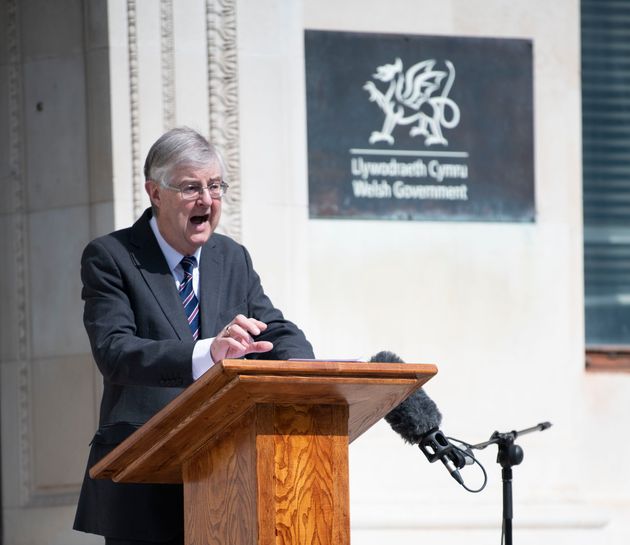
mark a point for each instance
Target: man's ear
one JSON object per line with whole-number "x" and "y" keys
{"x": 153, "y": 190}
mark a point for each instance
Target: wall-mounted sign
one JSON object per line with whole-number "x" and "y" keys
{"x": 419, "y": 127}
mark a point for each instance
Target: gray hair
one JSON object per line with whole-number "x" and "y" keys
{"x": 181, "y": 146}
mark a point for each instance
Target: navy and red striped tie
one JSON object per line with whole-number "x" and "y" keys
{"x": 189, "y": 299}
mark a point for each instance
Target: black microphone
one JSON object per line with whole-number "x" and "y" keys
{"x": 417, "y": 420}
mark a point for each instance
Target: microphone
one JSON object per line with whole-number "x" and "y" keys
{"x": 417, "y": 420}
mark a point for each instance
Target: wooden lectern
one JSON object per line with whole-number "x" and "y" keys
{"x": 262, "y": 447}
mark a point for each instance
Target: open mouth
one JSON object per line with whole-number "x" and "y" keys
{"x": 198, "y": 220}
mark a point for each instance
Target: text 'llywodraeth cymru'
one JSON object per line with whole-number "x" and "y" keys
{"x": 408, "y": 169}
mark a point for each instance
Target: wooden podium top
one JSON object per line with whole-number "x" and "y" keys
{"x": 156, "y": 451}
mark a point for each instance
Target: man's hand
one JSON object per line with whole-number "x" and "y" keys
{"x": 235, "y": 339}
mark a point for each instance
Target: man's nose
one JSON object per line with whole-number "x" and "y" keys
{"x": 204, "y": 196}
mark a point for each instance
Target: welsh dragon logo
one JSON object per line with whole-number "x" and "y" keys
{"x": 417, "y": 97}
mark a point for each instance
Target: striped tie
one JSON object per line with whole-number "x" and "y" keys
{"x": 189, "y": 299}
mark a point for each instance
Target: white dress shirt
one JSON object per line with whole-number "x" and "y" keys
{"x": 201, "y": 357}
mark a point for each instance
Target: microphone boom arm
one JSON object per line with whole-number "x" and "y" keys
{"x": 510, "y": 454}
{"x": 499, "y": 438}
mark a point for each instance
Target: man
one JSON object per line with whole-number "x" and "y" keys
{"x": 164, "y": 300}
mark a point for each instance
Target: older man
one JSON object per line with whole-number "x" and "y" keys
{"x": 164, "y": 300}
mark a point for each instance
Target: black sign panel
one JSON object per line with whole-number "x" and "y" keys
{"x": 419, "y": 127}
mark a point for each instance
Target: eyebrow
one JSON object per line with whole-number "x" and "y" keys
{"x": 197, "y": 181}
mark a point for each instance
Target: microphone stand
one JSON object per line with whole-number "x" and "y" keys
{"x": 510, "y": 454}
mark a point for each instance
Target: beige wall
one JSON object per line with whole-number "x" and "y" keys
{"x": 498, "y": 307}
{"x": 52, "y": 121}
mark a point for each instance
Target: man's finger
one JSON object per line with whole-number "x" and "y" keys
{"x": 259, "y": 346}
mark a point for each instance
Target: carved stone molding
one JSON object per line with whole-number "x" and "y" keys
{"x": 18, "y": 184}
{"x": 16, "y": 150}
{"x": 168, "y": 64}
{"x": 223, "y": 102}
{"x": 134, "y": 108}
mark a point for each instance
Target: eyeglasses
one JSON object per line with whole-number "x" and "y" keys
{"x": 192, "y": 191}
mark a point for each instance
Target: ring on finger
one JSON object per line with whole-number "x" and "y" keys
{"x": 227, "y": 331}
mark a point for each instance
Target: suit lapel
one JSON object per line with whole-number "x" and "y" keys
{"x": 210, "y": 280}
{"x": 146, "y": 254}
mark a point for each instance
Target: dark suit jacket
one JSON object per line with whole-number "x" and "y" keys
{"x": 143, "y": 347}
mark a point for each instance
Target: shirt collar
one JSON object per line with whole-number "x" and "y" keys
{"x": 172, "y": 256}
